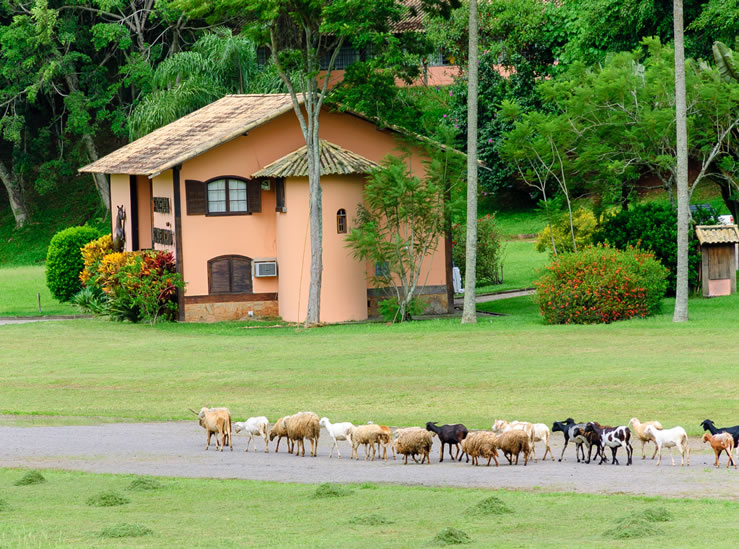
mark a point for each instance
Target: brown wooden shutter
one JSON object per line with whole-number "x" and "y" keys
{"x": 241, "y": 276}
{"x": 280, "y": 194}
{"x": 195, "y": 197}
{"x": 219, "y": 276}
{"x": 254, "y": 196}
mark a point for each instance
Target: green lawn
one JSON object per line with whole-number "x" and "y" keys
{"x": 521, "y": 263}
{"x": 18, "y": 289}
{"x": 236, "y": 513}
{"x": 512, "y": 366}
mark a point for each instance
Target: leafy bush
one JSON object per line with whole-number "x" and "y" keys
{"x": 390, "y": 309}
{"x": 107, "y": 499}
{"x": 599, "y": 285}
{"x": 31, "y": 477}
{"x": 64, "y": 260}
{"x": 653, "y": 227}
{"x": 92, "y": 254}
{"x": 584, "y": 224}
{"x": 489, "y": 250}
{"x": 130, "y": 286}
{"x": 126, "y": 531}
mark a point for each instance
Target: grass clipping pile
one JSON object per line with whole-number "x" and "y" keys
{"x": 142, "y": 484}
{"x": 126, "y": 531}
{"x": 371, "y": 519}
{"x": 451, "y": 536}
{"x": 638, "y": 524}
{"x": 328, "y": 490}
{"x": 30, "y": 478}
{"x": 489, "y": 506}
{"x": 107, "y": 499}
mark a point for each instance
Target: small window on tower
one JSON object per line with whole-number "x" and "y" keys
{"x": 341, "y": 221}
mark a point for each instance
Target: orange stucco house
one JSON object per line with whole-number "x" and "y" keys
{"x": 225, "y": 189}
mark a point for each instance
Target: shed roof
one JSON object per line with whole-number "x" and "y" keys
{"x": 717, "y": 234}
{"x": 193, "y": 134}
{"x": 334, "y": 160}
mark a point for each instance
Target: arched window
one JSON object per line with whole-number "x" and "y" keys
{"x": 341, "y": 221}
{"x": 229, "y": 274}
{"x": 227, "y": 196}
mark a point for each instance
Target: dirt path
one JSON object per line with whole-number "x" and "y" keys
{"x": 176, "y": 449}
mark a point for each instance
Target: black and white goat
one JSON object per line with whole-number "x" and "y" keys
{"x": 614, "y": 438}
{"x": 567, "y": 427}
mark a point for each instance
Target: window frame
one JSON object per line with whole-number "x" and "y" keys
{"x": 230, "y": 258}
{"x": 341, "y": 216}
{"x": 228, "y": 212}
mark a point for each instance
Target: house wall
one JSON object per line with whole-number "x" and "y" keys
{"x": 268, "y": 234}
{"x": 144, "y": 195}
{"x": 344, "y": 285}
{"x": 162, "y": 186}
{"x": 120, "y": 195}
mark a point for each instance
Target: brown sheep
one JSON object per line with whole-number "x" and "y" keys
{"x": 301, "y": 426}
{"x": 480, "y": 443}
{"x": 412, "y": 441}
{"x": 279, "y": 431}
{"x": 368, "y": 435}
{"x": 639, "y": 429}
{"x": 721, "y": 442}
{"x": 513, "y": 443}
{"x": 216, "y": 421}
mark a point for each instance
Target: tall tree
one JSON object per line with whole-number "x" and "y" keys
{"x": 683, "y": 198}
{"x": 469, "y": 313}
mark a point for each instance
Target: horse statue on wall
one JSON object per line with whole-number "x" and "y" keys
{"x": 119, "y": 236}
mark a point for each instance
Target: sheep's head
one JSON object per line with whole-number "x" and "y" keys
{"x": 324, "y": 422}
{"x": 498, "y": 425}
{"x": 589, "y": 427}
{"x": 707, "y": 424}
{"x": 431, "y": 425}
{"x": 633, "y": 421}
{"x": 706, "y": 437}
{"x": 649, "y": 431}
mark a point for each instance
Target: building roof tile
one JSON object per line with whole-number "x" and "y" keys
{"x": 334, "y": 160}
{"x": 717, "y": 234}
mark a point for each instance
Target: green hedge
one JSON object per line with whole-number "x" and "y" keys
{"x": 64, "y": 260}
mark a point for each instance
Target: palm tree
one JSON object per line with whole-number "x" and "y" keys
{"x": 469, "y": 314}
{"x": 683, "y": 198}
{"x": 218, "y": 64}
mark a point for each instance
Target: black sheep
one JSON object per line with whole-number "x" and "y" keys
{"x": 448, "y": 434}
{"x": 733, "y": 431}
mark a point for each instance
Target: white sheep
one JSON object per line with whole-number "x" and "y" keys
{"x": 337, "y": 431}
{"x": 254, "y": 426}
{"x": 669, "y": 438}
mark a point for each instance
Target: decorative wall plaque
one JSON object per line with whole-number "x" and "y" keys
{"x": 161, "y": 204}
{"x": 163, "y": 236}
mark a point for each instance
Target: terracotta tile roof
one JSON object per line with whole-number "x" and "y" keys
{"x": 411, "y": 21}
{"x": 334, "y": 160}
{"x": 717, "y": 234}
{"x": 193, "y": 134}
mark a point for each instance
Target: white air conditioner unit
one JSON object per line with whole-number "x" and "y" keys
{"x": 264, "y": 268}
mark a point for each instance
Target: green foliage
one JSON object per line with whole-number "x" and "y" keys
{"x": 600, "y": 284}
{"x": 390, "y": 309}
{"x": 329, "y": 490}
{"x": 451, "y": 536}
{"x": 584, "y": 225}
{"x": 653, "y": 226}
{"x": 64, "y": 260}
{"x": 107, "y": 499}
{"x": 132, "y": 286}
{"x": 492, "y": 505}
{"x": 399, "y": 226}
{"x": 125, "y": 530}
{"x": 489, "y": 250}
{"x": 30, "y": 478}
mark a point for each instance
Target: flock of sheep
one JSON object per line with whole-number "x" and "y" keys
{"x": 513, "y": 439}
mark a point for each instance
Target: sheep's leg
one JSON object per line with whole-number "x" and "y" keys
{"x": 207, "y": 442}
{"x": 533, "y": 452}
{"x": 629, "y": 454}
{"x": 659, "y": 459}
{"x": 655, "y": 450}
{"x": 563, "y": 450}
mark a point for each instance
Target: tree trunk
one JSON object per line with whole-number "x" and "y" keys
{"x": 15, "y": 196}
{"x": 683, "y": 214}
{"x": 313, "y": 315}
{"x": 469, "y": 314}
{"x": 101, "y": 181}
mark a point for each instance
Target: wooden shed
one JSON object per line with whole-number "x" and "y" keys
{"x": 718, "y": 251}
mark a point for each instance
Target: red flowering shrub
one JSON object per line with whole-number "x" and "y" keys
{"x": 601, "y": 284}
